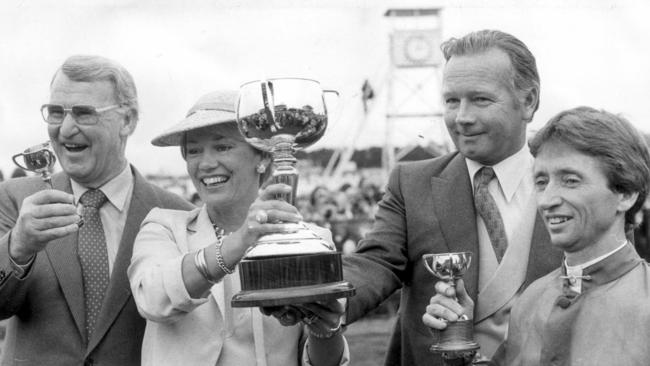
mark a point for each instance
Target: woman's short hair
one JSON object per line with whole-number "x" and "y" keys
{"x": 619, "y": 147}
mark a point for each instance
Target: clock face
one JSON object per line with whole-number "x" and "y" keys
{"x": 417, "y": 49}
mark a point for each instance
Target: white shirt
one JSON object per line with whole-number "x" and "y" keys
{"x": 574, "y": 273}
{"x": 114, "y": 212}
{"x": 511, "y": 190}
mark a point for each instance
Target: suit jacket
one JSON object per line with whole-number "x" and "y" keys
{"x": 47, "y": 306}
{"x": 182, "y": 330}
{"x": 428, "y": 208}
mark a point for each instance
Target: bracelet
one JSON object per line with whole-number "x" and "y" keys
{"x": 220, "y": 262}
{"x": 202, "y": 266}
{"x": 329, "y": 334}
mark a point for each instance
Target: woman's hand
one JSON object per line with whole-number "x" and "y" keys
{"x": 323, "y": 319}
{"x": 268, "y": 215}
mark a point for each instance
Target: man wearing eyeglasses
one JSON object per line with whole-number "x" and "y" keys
{"x": 65, "y": 285}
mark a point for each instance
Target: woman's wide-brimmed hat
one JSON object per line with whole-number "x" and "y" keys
{"x": 211, "y": 109}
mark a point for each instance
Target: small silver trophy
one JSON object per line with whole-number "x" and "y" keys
{"x": 457, "y": 340}
{"x": 39, "y": 159}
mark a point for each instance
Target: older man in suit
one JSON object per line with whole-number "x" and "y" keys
{"x": 490, "y": 92}
{"x": 64, "y": 285}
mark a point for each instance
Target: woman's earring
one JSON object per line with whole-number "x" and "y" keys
{"x": 260, "y": 168}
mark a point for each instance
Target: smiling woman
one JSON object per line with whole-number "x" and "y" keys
{"x": 184, "y": 268}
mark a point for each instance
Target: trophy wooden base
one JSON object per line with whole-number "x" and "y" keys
{"x": 456, "y": 341}
{"x": 294, "y": 279}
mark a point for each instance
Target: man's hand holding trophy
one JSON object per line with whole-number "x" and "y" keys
{"x": 455, "y": 342}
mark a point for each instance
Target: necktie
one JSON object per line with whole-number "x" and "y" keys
{"x": 93, "y": 256}
{"x": 489, "y": 212}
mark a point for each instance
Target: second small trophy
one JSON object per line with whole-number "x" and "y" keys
{"x": 456, "y": 341}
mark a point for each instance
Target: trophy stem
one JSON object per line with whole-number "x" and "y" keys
{"x": 284, "y": 170}
{"x": 47, "y": 178}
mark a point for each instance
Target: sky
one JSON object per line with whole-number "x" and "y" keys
{"x": 589, "y": 52}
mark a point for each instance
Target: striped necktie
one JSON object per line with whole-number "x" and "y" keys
{"x": 489, "y": 212}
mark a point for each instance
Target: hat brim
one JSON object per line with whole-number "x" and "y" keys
{"x": 199, "y": 119}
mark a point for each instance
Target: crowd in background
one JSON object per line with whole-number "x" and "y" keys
{"x": 347, "y": 211}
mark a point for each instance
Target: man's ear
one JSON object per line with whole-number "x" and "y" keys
{"x": 626, "y": 201}
{"x": 529, "y": 101}
{"x": 129, "y": 122}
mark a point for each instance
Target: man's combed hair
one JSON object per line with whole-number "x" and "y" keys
{"x": 89, "y": 68}
{"x": 612, "y": 140}
{"x": 526, "y": 77}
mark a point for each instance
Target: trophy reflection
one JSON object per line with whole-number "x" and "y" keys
{"x": 39, "y": 159}
{"x": 296, "y": 266}
{"x": 457, "y": 340}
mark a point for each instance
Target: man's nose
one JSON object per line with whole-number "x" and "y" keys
{"x": 465, "y": 113}
{"x": 548, "y": 197}
{"x": 68, "y": 125}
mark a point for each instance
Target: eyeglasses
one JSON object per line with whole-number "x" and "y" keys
{"x": 54, "y": 114}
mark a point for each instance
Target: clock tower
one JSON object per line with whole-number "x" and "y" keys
{"x": 414, "y": 79}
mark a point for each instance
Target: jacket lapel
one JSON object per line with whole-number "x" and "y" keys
{"x": 62, "y": 254}
{"x": 511, "y": 272}
{"x": 119, "y": 291}
{"x": 454, "y": 206}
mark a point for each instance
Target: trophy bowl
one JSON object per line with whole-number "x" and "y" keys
{"x": 39, "y": 159}
{"x": 448, "y": 267}
{"x": 457, "y": 340}
{"x": 296, "y": 265}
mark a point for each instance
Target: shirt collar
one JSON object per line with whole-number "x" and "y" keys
{"x": 113, "y": 189}
{"x": 593, "y": 261}
{"x": 608, "y": 268}
{"x": 510, "y": 172}
{"x": 575, "y": 274}
{"x": 614, "y": 265}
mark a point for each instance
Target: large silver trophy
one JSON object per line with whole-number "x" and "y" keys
{"x": 296, "y": 266}
{"x": 456, "y": 341}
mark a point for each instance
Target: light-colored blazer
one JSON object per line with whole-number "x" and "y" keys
{"x": 186, "y": 331}
{"x": 428, "y": 208}
{"x": 47, "y": 327}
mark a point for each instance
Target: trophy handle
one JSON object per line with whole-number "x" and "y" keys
{"x": 17, "y": 163}
{"x": 426, "y": 258}
{"x": 331, "y": 91}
